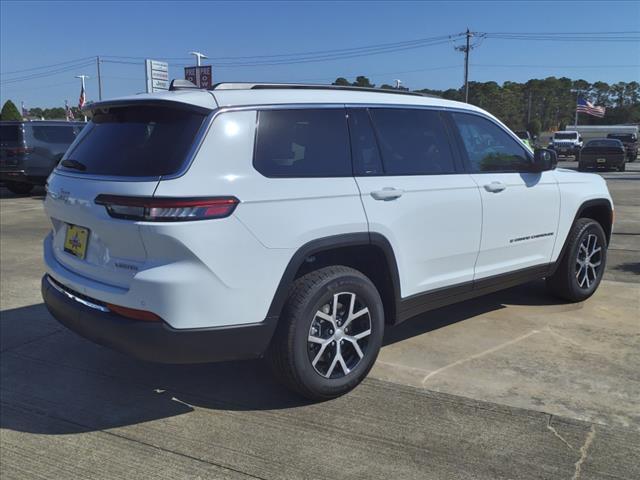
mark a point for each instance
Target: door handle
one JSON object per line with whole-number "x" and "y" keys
{"x": 495, "y": 187}
{"x": 387, "y": 193}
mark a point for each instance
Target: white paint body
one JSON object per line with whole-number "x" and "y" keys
{"x": 444, "y": 229}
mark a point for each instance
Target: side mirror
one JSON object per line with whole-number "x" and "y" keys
{"x": 544, "y": 159}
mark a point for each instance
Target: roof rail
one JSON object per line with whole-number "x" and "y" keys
{"x": 306, "y": 86}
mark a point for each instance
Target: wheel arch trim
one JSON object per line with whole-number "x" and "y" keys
{"x": 330, "y": 243}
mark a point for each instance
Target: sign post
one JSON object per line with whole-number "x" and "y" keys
{"x": 200, "y": 76}
{"x": 156, "y": 75}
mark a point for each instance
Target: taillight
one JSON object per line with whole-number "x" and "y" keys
{"x": 14, "y": 152}
{"x": 150, "y": 209}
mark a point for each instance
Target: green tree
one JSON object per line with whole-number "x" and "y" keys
{"x": 342, "y": 82}
{"x": 10, "y": 112}
{"x": 534, "y": 127}
{"x": 362, "y": 81}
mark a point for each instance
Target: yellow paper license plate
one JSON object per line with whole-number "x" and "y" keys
{"x": 75, "y": 241}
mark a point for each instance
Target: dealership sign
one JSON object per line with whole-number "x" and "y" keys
{"x": 157, "y": 75}
{"x": 199, "y": 76}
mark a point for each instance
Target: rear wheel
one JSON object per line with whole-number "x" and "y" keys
{"x": 582, "y": 266}
{"x": 329, "y": 334}
{"x": 19, "y": 188}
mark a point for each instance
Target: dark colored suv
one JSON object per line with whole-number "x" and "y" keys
{"x": 30, "y": 150}
{"x": 630, "y": 141}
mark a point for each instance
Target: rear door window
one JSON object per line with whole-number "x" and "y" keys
{"x": 54, "y": 134}
{"x": 135, "y": 141}
{"x": 412, "y": 141}
{"x": 303, "y": 143}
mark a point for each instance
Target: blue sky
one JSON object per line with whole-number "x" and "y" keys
{"x": 34, "y": 34}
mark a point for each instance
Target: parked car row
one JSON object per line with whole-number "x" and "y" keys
{"x": 29, "y": 151}
{"x": 614, "y": 151}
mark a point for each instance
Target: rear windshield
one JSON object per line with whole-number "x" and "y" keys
{"x": 624, "y": 137}
{"x": 9, "y": 135}
{"x": 604, "y": 143}
{"x": 565, "y": 136}
{"x": 63, "y": 134}
{"x": 145, "y": 141}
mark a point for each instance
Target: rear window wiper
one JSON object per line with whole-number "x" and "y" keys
{"x": 69, "y": 163}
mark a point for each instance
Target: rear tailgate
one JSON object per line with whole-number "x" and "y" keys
{"x": 124, "y": 152}
{"x": 113, "y": 249}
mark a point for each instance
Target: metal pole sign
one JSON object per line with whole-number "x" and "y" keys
{"x": 157, "y": 76}
{"x": 201, "y": 76}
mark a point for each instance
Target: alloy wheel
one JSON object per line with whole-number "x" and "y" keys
{"x": 588, "y": 261}
{"x": 339, "y": 334}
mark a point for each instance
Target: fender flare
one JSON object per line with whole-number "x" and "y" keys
{"x": 329, "y": 243}
{"x": 596, "y": 202}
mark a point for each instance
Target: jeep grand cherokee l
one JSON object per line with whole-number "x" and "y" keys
{"x": 298, "y": 222}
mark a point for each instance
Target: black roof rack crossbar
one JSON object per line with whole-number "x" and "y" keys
{"x": 307, "y": 86}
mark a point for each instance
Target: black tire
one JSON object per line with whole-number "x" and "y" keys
{"x": 622, "y": 167}
{"x": 291, "y": 353}
{"x": 564, "y": 283}
{"x": 19, "y": 188}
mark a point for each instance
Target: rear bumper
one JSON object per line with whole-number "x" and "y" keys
{"x": 591, "y": 162}
{"x": 20, "y": 176}
{"x": 154, "y": 341}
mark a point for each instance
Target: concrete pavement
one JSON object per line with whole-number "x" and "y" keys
{"x": 513, "y": 385}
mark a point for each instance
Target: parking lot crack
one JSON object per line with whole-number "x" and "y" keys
{"x": 584, "y": 452}
{"x": 555, "y": 432}
{"x": 478, "y": 355}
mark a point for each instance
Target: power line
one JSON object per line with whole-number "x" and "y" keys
{"x": 46, "y": 66}
{"x": 49, "y": 73}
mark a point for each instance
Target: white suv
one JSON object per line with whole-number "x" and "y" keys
{"x": 298, "y": 222}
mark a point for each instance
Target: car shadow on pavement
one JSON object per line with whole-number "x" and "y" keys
{"x": 54, "y": 382}
{"x": 629, "y": 267}
{"x": 531, "y": 294}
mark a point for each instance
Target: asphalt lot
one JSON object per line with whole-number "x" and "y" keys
{"x": 513, "y": 385}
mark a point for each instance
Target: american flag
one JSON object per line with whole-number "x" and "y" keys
{"x": 590, "y": 109}
{"x": 82, "y": 98}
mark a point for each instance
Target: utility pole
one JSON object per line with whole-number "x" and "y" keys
{"x": 466, "y": 49}
{"x": 529, "y": 110}
{"x": 99, "y": 79}
{"x": 466, "y": 69}
{"x": 199, "y": 56}
{"x": 83, "y": 93}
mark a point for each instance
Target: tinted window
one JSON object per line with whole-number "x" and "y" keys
{"x": 9, "y": 134}
{"x": 54, "y": 134}
{"x": 136, "y": 141}
{"x": 412, "y": 141}
{"x": 489, "y": 148}
{"x": 604, "y": 143}
{"x": 364, "y": 148}
{"x": 303, "y": 143}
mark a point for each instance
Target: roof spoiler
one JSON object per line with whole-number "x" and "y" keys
{"x": 181, "y": 84}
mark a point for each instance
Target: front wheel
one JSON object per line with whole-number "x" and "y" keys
{"x": 582, "y": 266}
{"x": 329, "y": 334}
